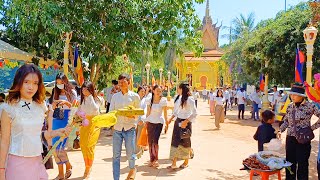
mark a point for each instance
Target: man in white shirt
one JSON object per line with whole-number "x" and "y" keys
{"x": 276, "y": 98}
{"x": 255, "y": 98}
{"x": 204, "y": 94}
{"x": 226, "y": 95}
{"x": 241, "y": 102}
{"x": 124, "y": 129}
{"x": 109, "y": 94}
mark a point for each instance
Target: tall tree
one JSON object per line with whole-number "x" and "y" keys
{"x": 104, "y": 29}
{"x": 239, "y": 26}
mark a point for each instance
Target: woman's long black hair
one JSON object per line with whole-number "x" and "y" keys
{"x": 153, "y": 88}
{"x": 185, "y": 93}
{"x": 218, "y": 93}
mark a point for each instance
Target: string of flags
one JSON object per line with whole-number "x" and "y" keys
{"x": 14, "y": 63}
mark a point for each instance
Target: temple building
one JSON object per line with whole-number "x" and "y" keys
{"x": 208, "y": 70}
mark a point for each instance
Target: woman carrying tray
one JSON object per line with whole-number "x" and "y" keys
{"x": 296, "y": 121}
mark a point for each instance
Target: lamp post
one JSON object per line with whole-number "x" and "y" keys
{"x": 309, "y": 34}
{"x": 148, "y": 70}
{"x": 265, "y": 100}
{"x": 169, "y": 80}
{"x": 160, "y": 72}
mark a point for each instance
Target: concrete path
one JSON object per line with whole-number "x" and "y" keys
{"x": 218, "y": 153}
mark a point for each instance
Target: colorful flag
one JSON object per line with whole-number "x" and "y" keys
{"x": 299, "y": 66}
{"x": 262, "y": 82}
{"x": 77, "y": 64}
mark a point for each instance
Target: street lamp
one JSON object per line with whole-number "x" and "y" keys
{"x": 309, "y": 34}
{"x": 169, "y": 81}
{"x": 160, "y": 72}
{"x": 148, "y": 70}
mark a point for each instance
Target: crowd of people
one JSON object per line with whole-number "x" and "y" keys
{"x": 31, "y": 124}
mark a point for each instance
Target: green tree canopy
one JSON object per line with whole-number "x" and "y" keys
{"x": 274, "y": 40}
{"x": 104, "y": 29}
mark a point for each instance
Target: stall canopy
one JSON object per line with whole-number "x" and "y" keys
{"x": 8, "y": 51}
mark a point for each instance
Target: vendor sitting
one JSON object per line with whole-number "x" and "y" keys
{"x": 265, "y": 131}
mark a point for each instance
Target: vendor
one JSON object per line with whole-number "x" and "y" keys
{"x": 298, "y": 116}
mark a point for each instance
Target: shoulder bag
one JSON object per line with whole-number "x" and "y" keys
{"x": 303, "y": 135}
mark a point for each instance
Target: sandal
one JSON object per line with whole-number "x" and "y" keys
{"x": 58, "y": 178}
{"x": 191, "y": 154}
{"x": 183, "y": 166}
{"x": 68, "y": 173}
{"x": 172, "y": 167}
{"x": 155, "y": 164}
{"x": 133, "y": 175}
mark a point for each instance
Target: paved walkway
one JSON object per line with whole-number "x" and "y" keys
{"x": 218, "y": 153}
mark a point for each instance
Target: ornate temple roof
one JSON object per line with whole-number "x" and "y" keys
{"x": 210, "y": 40}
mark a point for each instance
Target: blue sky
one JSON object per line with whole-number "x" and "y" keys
{"x": 226, "y": 10}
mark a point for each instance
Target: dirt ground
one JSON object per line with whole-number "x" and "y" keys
{"x": 218, "y": 153}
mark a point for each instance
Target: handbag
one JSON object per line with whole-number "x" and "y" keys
{"x": 303, "y": 135}
{"x": 185, "y": 133}
{"x": 58, "y": 113}
{"x": 76, "y": 143}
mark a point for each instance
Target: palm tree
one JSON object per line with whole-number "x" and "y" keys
{"x": 239, "y": 26}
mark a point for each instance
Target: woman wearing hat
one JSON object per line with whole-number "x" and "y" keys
{"x": 296, "y": 121}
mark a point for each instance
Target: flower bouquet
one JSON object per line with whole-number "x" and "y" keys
{"x": 77, "y": 118}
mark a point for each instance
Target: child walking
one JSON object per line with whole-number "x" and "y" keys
{"x": 265, "y": 131}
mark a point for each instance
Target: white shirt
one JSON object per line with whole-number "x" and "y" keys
{"x": 26, "y": 126}
{"x": 254, "y": 97}
{"x": 204, "y": 92}
{"x": 156, "y": 115}
{"x": 276, "y": 97}
{"x": 240, "y": 96}
{"x": 119, "y": 101}
{"x": 212, "y": 96}
{"x": 143, "y": 105}
{"x": 226, "y": 95}
{"x": 108, "y": 94}
{"x": 220, "y": 101}
{"x": 195, "y": 95}
{"x": 90, "y": 106}
{"x": 189, "y": 110}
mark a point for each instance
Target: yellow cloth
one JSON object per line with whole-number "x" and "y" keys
{"x": 89, "y": 136}
{"x": 105, "y": 120}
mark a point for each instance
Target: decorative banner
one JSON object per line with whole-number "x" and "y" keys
{"x": 1, "y": 64}
{"x": 6, "y": 61}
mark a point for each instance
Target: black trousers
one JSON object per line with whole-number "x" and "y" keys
{"x": 297, "y": 154}
{"x": 225, "y": 107}
{"x": 241, "y": 111}
{"x": 235, "y": 101}
{"x": 318, "y": 167}
{"x": 196, "y": 102}
{"x": 154, "y": 131}
{"x": 108, "y": 107}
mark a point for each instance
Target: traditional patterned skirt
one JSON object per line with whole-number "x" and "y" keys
{"x": 180, "y": 148}
{"x": 60, "y": 156}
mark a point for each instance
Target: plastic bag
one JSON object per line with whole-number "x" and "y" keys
{"x": 276, "y": 164}
{"x": 273, "y": 145}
